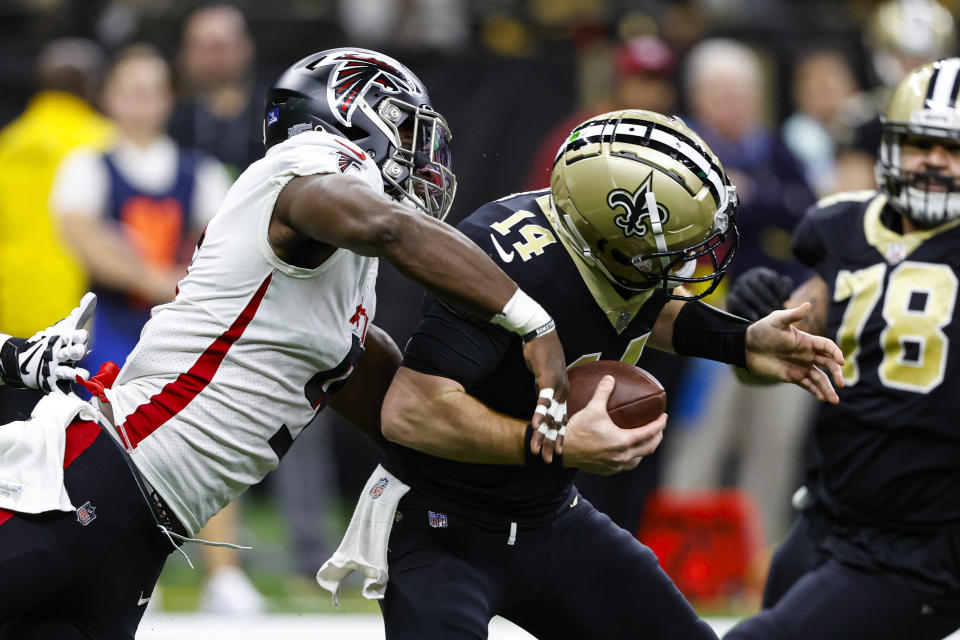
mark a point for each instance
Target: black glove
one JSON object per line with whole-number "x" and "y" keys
{"x": 47, "y": 360}
{"x": 757, "y": 292}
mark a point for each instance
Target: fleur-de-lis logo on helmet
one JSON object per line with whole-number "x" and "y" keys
{"x": 635, "y": 219}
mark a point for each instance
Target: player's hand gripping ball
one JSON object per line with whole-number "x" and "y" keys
{"x": 637, "y": 399}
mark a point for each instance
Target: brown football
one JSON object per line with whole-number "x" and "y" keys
{"x": 637, "y": 399}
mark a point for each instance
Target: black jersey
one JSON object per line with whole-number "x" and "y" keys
{"x": 890, "y": 450}
{"x": 487, "y": 360}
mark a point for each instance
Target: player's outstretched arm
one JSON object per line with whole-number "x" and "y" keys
{"x": 360, "y": 400}
{"x": 772, "y": 347}
{"x": 47, "y": 360}
{"x": 343, "y": 211}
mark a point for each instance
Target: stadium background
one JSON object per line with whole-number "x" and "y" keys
{"x": 503, "y": 73}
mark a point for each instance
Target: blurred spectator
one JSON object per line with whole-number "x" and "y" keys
{"x": 410, "y": 24}
{"x": 822, "y": 82}
{"x": 133, "y": 214}
{"x": 39, "y": 281}
{"x": 643, "y": 79}
{"x": 900, "y": 35}
{"x": 221, "y": 107}
{"x": 725, "y": 94}
{"x": 722, "y": 422}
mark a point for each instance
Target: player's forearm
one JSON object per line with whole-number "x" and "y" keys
{"x": 343, "y": 211}
{"x": 699, "y": 330}
{"x": 360, "y": 400}
{"x": 436, "y": 416}
{"x": 448, "y": 264}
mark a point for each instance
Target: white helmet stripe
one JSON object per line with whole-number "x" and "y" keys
{"x": 605, "y": 130}
{"x": 943, "y": 89}
{"x": 694, "y": 156}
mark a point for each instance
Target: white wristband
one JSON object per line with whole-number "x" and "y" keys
{"x": 523, "y": 315}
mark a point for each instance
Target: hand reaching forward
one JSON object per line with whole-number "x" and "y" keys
{"x": 777, "y": 349}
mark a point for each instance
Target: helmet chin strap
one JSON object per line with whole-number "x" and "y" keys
{"x": 656, "y": 226}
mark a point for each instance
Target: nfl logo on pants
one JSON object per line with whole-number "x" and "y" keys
{"x": 86, "y": 513}
{"x": 437, "y": 520}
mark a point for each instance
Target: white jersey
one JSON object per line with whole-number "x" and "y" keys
{"x": 228, "y": 374}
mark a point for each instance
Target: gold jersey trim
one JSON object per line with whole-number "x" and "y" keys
{"x": 895, "y": 247}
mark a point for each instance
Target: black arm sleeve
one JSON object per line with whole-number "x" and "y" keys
{"x": 456, "y": 345}
{"x": 703, "y": 331}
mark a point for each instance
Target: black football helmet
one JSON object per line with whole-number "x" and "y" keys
{"x": 378, "y": 104}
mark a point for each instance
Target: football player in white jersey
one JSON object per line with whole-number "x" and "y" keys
{"x": 273, "y": 318}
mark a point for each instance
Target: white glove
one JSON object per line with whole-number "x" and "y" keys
{"x": 46, "y": 361}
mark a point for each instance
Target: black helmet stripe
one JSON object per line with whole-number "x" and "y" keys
{"x": 660, "y": 139}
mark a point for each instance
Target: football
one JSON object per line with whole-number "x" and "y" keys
{"x": 637, "y": 399}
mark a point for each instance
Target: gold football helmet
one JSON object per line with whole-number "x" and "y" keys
{"x": 923, "y": 109}
{"x": 642, "y": 198}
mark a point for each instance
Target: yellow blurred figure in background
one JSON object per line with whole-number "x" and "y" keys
{"x": 39, "y": 280}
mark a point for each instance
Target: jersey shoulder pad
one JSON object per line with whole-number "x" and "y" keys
{"x": 827, "y": 222}
{"x": 313, "y": 152}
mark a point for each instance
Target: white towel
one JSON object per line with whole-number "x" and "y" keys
{"x": 31, "y": 455}
{"x": 364, "y": 545}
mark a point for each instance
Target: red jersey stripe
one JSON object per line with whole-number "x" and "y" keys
{"x": 175, "y": 396}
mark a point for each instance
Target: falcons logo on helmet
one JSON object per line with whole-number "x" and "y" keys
{"x": 355, "y": 73}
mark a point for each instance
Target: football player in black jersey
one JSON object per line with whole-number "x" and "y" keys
{"x": 876, "y": 550}
{"x": 488, "y": 527}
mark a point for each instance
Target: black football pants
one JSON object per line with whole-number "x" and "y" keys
{"x": 810, "y": 595}
{"x": 83, "y": 574}
{"x": 581, "y": 576}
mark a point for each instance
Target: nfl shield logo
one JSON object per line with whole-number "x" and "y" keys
{"x": 378, "y": 488}
{"x": 273, "y": 116}
{"x": 437, "y": 520}
{"x": 86, "y": 514}
{"x": 896, "y": 252}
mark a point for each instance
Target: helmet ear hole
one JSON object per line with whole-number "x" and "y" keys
{"x": 621, "y": 257}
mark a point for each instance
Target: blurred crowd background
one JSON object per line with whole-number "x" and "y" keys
{"x": 126, "y": 120}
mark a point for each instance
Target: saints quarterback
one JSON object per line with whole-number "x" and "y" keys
{"x": 462, "y": 522}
